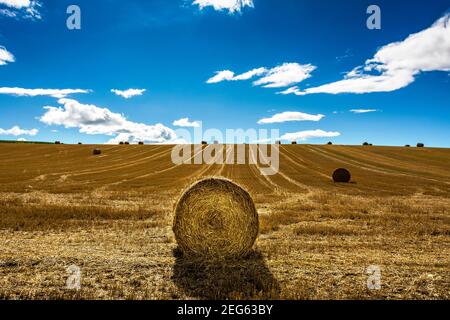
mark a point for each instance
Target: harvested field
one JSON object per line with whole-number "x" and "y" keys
{"x": 111, "y": 215}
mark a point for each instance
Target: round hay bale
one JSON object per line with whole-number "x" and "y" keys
{"x": 216, "y": 219}
{"x": 141, "y": 143}
{"x": 330, "y": 143}
{"x": 127, "y": 143}
{"x": 420, "y": 145}
{"x": 342, "y": 175}
{"x": 97, "y": 152}
{"x": 294, "y": 142}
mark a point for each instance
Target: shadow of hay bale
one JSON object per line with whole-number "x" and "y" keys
{"x": 247, "y": 278}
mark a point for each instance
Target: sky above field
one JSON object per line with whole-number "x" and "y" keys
{"x": 142, "y": 70}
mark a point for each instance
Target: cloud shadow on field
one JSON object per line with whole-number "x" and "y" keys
{"x": 246, "y": 278}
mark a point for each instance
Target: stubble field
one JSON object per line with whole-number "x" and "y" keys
{"x": 111, "y": 216}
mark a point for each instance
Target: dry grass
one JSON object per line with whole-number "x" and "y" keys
{"x": 112, "y": 217}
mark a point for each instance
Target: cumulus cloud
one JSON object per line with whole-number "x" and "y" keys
{"x": 5, "y": 56}
{"x": 309, "y": 134}
{"x": 55, "y": 93}
{"x": 395, "y": 65}
{"x": 186, "y": 123}
{"x": 250, "y": 74}
{"x": 17, "y": 131}
{"x": 286, "y": 75}
{"x": 28, "y": 9}
{"x": 281, "y": 76}
{"x": 231, "y": 5}
{"x": 224, "y": 75}
{"x": 363, "y": 110}
{"x": 93, "y": 120}
{"x": 291, "y": 116}
{"x": 130, "y": 93}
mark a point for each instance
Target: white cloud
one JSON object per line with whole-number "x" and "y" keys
{"x": 291, "y": 116}
{"x": 305, "y": 135}
{"x": 18, "y": 4}
{"x": 22, "y": 140}
{"x": 363, "y": 110}
{"x": 17, "y": 131}
{"x": 231, "y": 5}
{"x": 5, "y": 56}
{"x": 291, "y": 90}
{"x": 28, "y": 9}
{"x": 186, "y": 123}
{"x": 225, "y": 75}
{"x": 286, "y": 75}
{"x": 250, "y": 74}
{"x": 395, "y": 65}
{"x": 281, "y": 76}
{"x": 56, "y": 93}
{"x": 130, "y": 93}
{"x": 8, "y": 13}
{"x": 90, "y": 119}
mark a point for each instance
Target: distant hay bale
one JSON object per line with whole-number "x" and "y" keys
{"x": 366, "y": 144}
{"x": 97, "y": 152}
{"x": 330, "y": 143}
{"x": 204, "y": 142}
{"x": 420, "y": 145}
{"x": 407, "y": 146}
{"x": 141, "y": 143}
{"x": 294, "y": 142}
{"x": 121, "y": 142}
{"x": 79, "y": 143}
{"x": 126, "y": 142}
{"x": 57, "y": 142}
{"x": 216, "y": 219}
{"x": 342, "y": 175}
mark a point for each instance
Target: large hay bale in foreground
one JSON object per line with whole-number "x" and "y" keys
{"x": 97, "y": 152}
{"x": 342, "y": 175}
{"x": 216, "y": 219}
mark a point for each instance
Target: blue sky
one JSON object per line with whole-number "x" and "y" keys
{"x": 304, "y": 51}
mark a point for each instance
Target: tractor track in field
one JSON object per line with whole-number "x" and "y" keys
{"x": 106, "y": 169}
{"x": 370, "y": 167}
